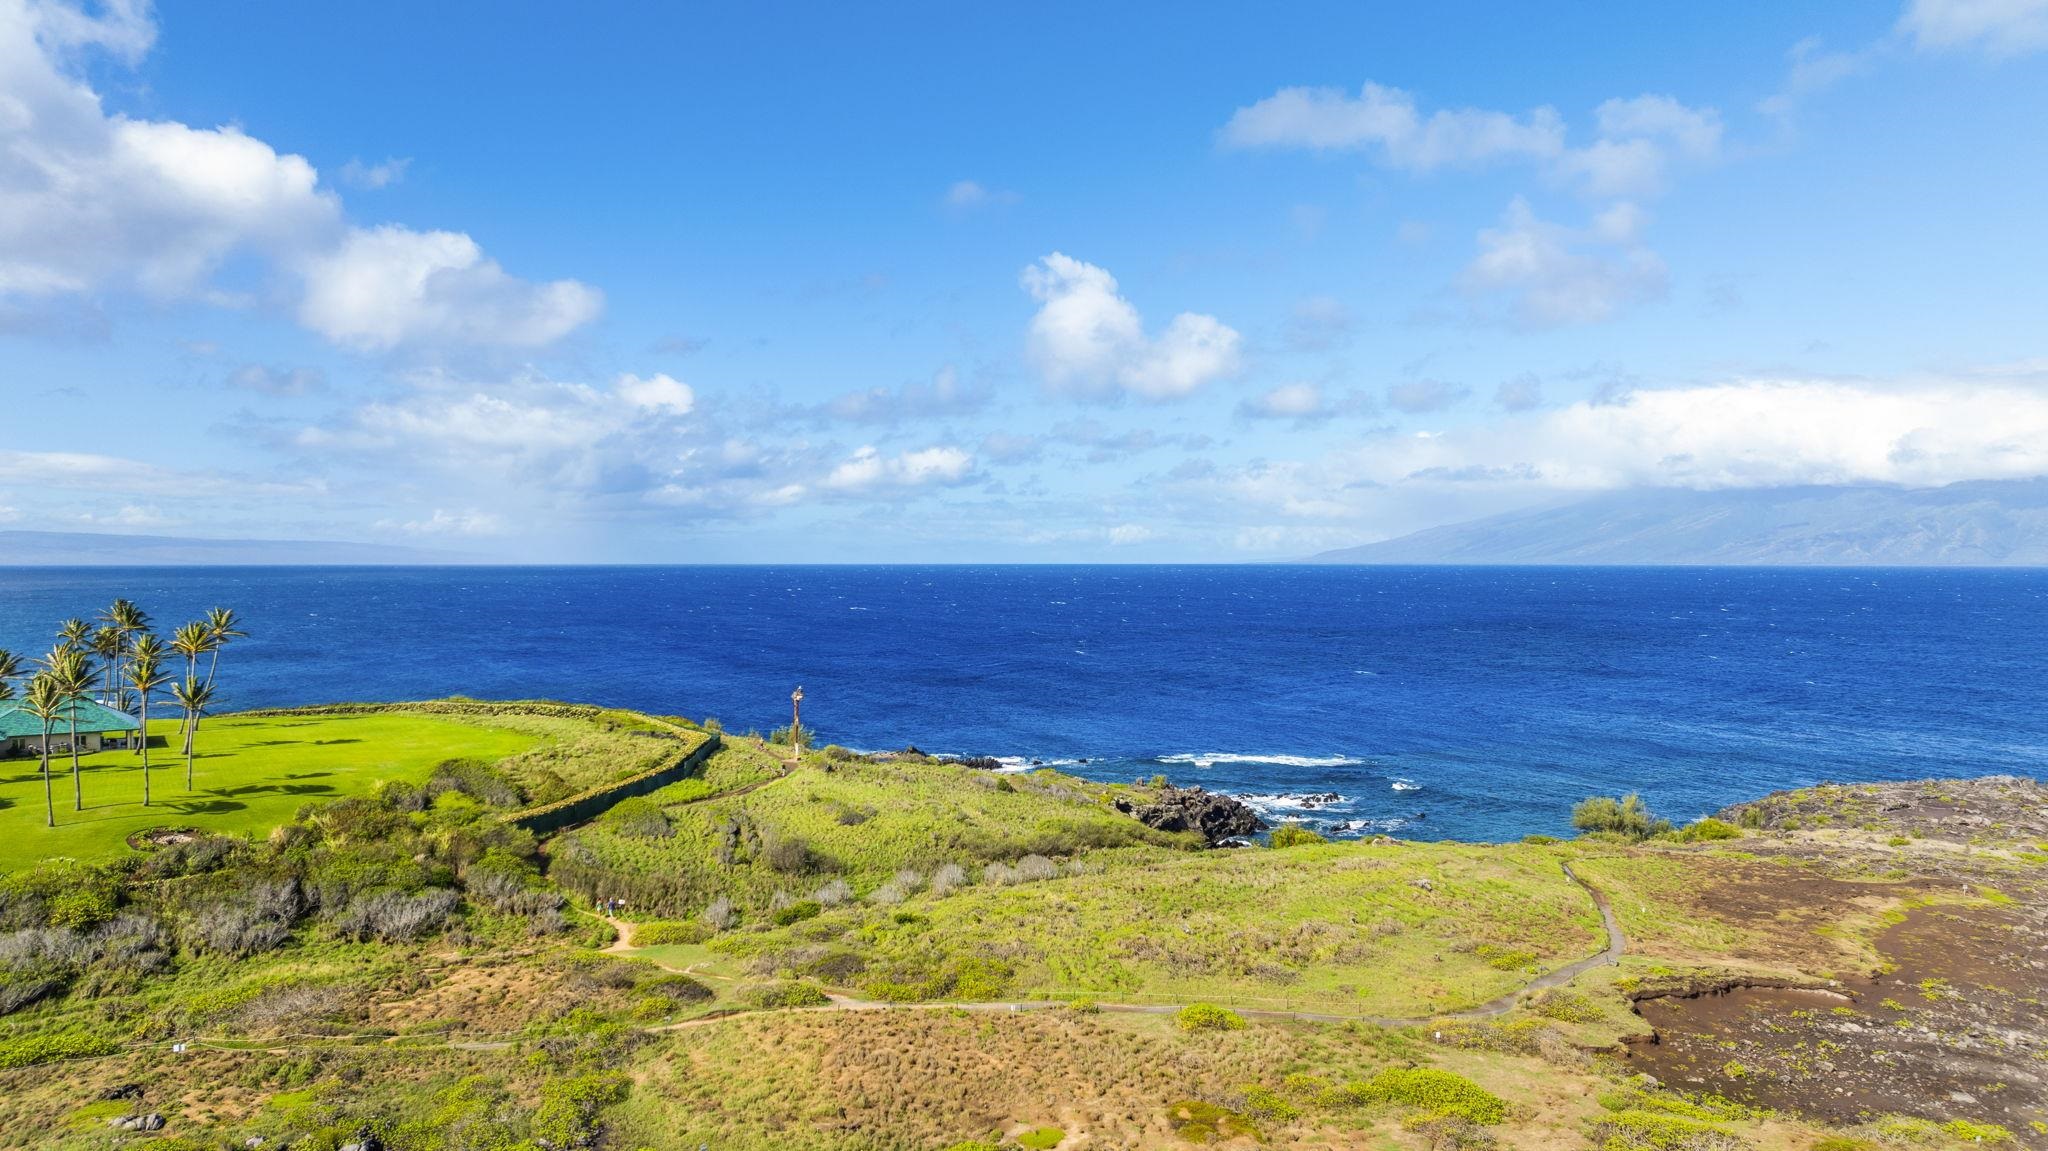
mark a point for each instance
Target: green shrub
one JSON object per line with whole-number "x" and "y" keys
{"x": 1708, "y": 829}
{"x": 1567, "y": 1006}
{"x": 1627, "y": 818}
{"x": 83, "y": 908}
{"x": 1295, "y": 835}
{"x": 1968, "y": 1132}
{"x": 1266, "y": 1103}
{"x": 1656, "y": 1131}
{"x": 771, "y": 995}
{"x": 796, "y": 912}
{"x": 663, "y": 933}
{"x": 1042, "y": 1139}
{"x": 48, "y": 1047}
{"x": 1436, "y": 1092}
{"x": 678, "y": 987}
{"x": 1208, "y": 1017}
{"x": 567, "y": 1115}
{"x": 1843, "y": 1143}
{"x": 1199, "y": 1122}
{"x": 1539, "y": 840}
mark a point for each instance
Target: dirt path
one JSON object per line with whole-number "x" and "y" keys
{"x": 1616, "y": 944}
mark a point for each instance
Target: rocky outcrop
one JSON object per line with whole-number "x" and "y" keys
{"x": 1217, "y": 817}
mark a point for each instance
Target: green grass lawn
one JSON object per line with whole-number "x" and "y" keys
{"x": 250, "y": 775}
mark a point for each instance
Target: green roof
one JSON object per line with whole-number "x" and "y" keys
{"x": 93, "y": 716}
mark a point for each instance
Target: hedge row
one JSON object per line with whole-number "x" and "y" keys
{"x": 590, "y": 804}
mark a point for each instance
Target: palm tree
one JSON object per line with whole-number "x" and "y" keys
{"x": 127, "y": 621}
{"x": 10, "y": 670}
{"x": 45, "y": 701}
{"x": 145, "y": 674}
{"x": 74, "y": 632}
{"x": 193, "y": 696}
{"x": 191, "y": 640}
{"x": 72, "y": 670}
{"x": 106, "y": 644}
{"x": 222, "y": 628}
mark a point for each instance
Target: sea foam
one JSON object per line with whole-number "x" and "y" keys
{"x": 1212, "y": 758}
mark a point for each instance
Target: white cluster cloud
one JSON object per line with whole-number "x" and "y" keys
{"x": 868, "y": 469}
{"x": 1635, "y": 139}
{"x": 91, "y": 200}
{"x": 385, "y": 286}
{"x": 656, "y": 393}
{"x": 1089, "y": 341}
{"x": 1332, "y": 119}
{"x": 1999, "y": 28}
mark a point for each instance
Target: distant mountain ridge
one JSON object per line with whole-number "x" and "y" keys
{"x": 1987, "y": 522}
{"x": 92, "y": 549}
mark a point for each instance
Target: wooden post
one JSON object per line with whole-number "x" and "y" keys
{"x": 796, "y": 724}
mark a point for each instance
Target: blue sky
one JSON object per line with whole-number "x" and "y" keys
{"x": 1046, "y": 283}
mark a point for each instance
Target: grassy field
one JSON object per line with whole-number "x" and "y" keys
{"x": 1402, "y": 930}
{"x": 252, "y": 772}
{"x": 851, "y": 822}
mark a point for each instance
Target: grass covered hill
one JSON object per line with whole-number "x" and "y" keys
{"x": 842, "y": 955}
{"x": 253, "y": 771}
{"x": 752, "y": 834}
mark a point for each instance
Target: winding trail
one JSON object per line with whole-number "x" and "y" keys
{"x": 1617, "y": 943}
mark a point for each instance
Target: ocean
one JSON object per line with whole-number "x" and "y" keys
{"x": 1429, "y": 703}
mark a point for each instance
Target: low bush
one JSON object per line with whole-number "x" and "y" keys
{"x": 1566, "y": 1006}
{"x": 797, "y": 912}
{"x": 680, "y": 988}
{"x": 1625, "y": 818}
{"x": 1201, "y": 1122}
{"x": 662, "y": 933}
{"x": 1041, "y": 1139}
{"x": 1295, "y": 835}
{"x": 48, "y": 1047}
{"x": 1436, "y": 1092}
{"x": 395, "y": 917}
{"x": 720, "y": 914}
{"x": 1208, "y": 1017}
{"x": 1708, "y": 829}
{"x": 1658, "y": 1131}
{"x": 772, "y": 995}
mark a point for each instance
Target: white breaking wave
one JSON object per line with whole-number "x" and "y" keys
{"x": 1363, "y": 826}
{"x": 1212, "y": 758}
{"x": 1013, "y": 764}
{"x": 1291, "y": 804}
{"x": 1406, "y": 785}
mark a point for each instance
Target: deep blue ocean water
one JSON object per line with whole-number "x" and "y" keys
{"x": 1471, "y": 703}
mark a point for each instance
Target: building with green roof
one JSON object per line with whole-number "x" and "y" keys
{"x": 99, "y": 727}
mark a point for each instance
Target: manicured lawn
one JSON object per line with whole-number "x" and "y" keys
{"x": 250, "y": 775}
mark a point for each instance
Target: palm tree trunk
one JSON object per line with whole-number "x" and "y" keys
{"x": 188, "y": 751}
{"x": 77, "y": 788}
{"x": 49, "y": 801}
{"x": 143, "y": 732}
